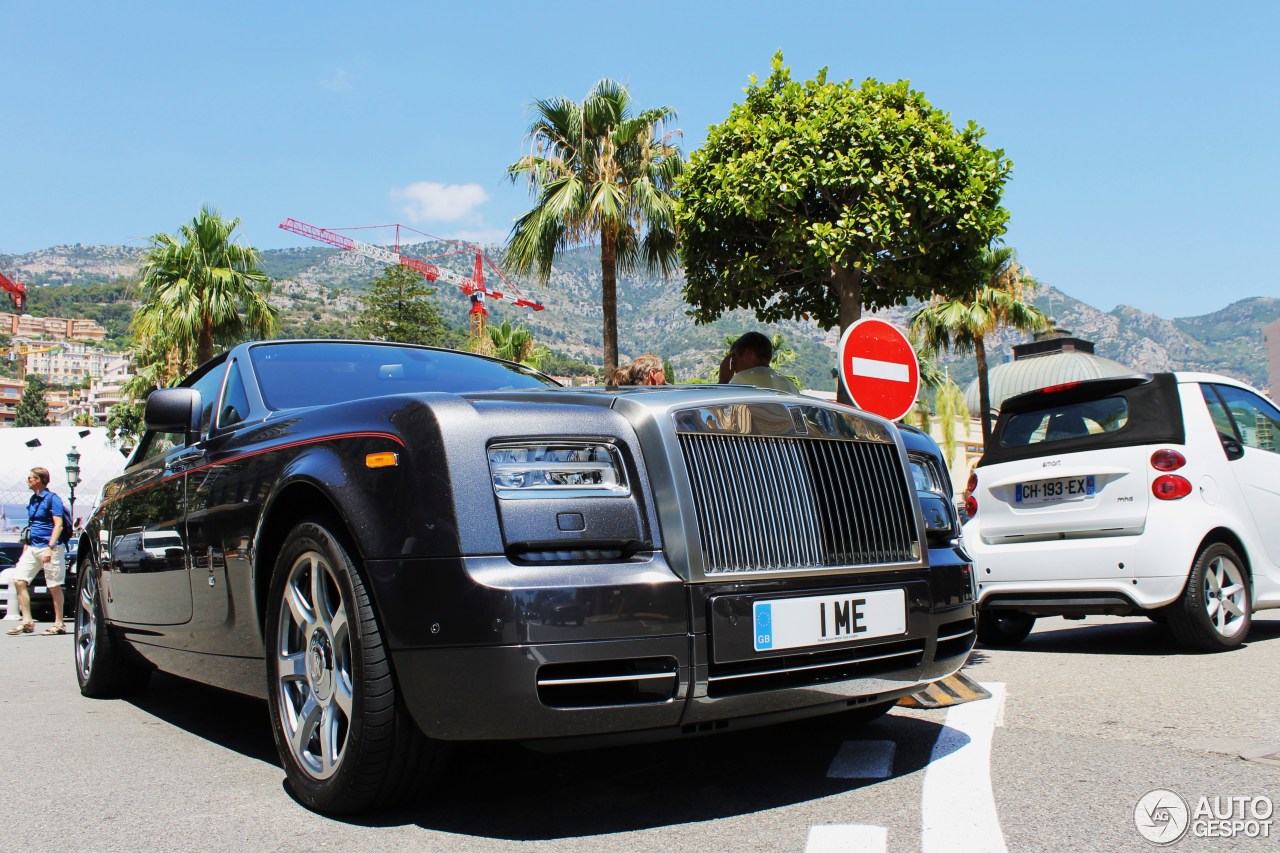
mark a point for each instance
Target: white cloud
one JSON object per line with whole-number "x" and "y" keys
{"x": 339, "y": 81}
{"x": 426, "y": 201}
{"x": 481, "y": 235}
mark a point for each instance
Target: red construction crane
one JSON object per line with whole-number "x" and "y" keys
{"x": 17, "y": 292}
{"x": 473, "y": 286}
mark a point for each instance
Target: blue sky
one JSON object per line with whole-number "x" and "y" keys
{"x": 1143, "y": 135}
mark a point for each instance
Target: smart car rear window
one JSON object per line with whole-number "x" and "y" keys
{"x": 1121, "y": 411}
{"x": 1065, "y": 421}
{"x": 293, "y": 376}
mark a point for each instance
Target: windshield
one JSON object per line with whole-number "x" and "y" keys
{"x": 295, "y": 375}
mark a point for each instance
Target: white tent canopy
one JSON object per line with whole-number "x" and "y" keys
{"x": 24, "y": 448}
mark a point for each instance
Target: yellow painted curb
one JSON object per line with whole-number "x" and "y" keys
{"x": 952, "y": 690}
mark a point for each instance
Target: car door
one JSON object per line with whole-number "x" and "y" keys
{"x": 149, "y": 498}
{"x": 1256, "y": 424}
{"x": 220, "y": 516}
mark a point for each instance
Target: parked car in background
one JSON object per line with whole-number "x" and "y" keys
{"x": 398, "y": 546}
{"x": 1152, "y": 495}
{"x": 41, "y": 599}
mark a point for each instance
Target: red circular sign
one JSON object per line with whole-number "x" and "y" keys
{"x": 878, "y": 368}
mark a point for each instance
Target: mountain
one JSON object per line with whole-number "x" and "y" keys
{"x": 318, "y": 292}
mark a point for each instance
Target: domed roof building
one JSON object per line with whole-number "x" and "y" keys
{"x": 1051, "y": 359}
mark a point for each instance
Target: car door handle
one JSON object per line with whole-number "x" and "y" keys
{"x": 183, "y": 461}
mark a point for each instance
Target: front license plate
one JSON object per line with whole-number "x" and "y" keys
{"x": 1052, "y": 491}
{"x": 792, "y": 623}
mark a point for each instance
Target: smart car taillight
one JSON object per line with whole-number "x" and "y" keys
{"x": 1171, "y": 487}
{"x": 1167, "y": 460}
{"x": 971, "y": 502}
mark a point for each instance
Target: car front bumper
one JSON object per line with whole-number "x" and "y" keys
{"x": 479, "y": 654}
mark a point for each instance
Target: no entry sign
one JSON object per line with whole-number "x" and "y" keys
{"x": 878, "y": 368}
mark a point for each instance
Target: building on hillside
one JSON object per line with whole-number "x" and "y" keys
{"x": 102, "y": 393}
{"x": 1271, "y": 335}
{"x": 10, "y": 393}
{"x": 53, "y": 328}
{"x": 68, "y": 363}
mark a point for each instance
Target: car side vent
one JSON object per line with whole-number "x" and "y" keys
{"x": 576, "y": 555}
{"x": 955, "y": 638}
{"x": 609, "y": 683}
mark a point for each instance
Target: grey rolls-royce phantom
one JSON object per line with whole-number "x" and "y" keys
{"x": 399, "y": 546}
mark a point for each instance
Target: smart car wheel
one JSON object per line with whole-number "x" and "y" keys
{"x": 1004, "y": 627}
{"x": 1213, "y": 614}
{"x": 344, "y": 738}
{"x": 103, "y": 667}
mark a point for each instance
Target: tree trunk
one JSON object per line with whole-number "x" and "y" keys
{"x": 848, "y": 286}
{"x": 984, "y": 391}
{"x": 609, "y": 298}
{"x": 204, "y": 349}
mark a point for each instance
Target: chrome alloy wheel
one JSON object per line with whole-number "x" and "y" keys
{"x": 313, "y": 666}
{"x": 87, "y": 623}
{"x": 1225, "y": 596}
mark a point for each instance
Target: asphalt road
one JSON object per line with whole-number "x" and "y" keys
{"x": 1086, "y": 718}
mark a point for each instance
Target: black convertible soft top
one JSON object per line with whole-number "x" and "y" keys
{"x": 1154, "y": 416}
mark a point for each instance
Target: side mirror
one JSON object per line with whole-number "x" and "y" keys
{"x": 173, "y": 410}
{"x": 1233, "y": 448}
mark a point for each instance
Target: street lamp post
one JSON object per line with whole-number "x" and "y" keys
{"x": 73, "y": 476}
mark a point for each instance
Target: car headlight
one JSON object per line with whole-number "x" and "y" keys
{"x": 545, "y": 469}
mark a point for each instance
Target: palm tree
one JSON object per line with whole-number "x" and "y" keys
{"x": 998, "y": 301}
{"x": 201, "y": 290}
{"x": 598, "y": 172}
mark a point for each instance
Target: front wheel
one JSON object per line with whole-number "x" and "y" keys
{"x": 103, "y": 666}
{"x": 1004, "y": 627}
{"x": 1214, "y": 612}
{"x": 346, "y": 742}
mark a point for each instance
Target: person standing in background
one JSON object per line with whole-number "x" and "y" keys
{"x": 748, "y": 364}
{"x": 43, "y": 552}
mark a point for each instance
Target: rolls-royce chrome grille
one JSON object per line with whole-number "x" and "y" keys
{"x": 783, "y": 487}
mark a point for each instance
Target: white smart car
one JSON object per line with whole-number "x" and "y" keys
{"x": 1154, "y": 495}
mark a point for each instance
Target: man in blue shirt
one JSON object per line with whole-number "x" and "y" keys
{"x": 43, "y": 552}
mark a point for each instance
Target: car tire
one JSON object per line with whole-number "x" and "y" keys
{"x": 344, "y": 737}
{"x": 1004, "y": 627}
{"x": 104, "y": 668}
{"x": 1214, "y": 612}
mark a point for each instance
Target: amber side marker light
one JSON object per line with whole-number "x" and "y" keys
{"x": 381, "y": 460}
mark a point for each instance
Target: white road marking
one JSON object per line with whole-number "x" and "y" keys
{"x": 958, "y": 807}
{"x": 873, "y": 369}
{"x": 844, "y": 838}
{"x": 863, "y": 759}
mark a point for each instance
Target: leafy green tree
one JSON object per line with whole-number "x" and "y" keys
{"x": 816, "y": 199}
{"x": 997, "y": 299}
{"x": 33, "y": 409}
{"x": 559, "y": 364}
{"x": 598, "y": 172}
{"x": 84, "y": 419}
{"x": 398, "y": 308}
{"x": 201, "y": 290}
